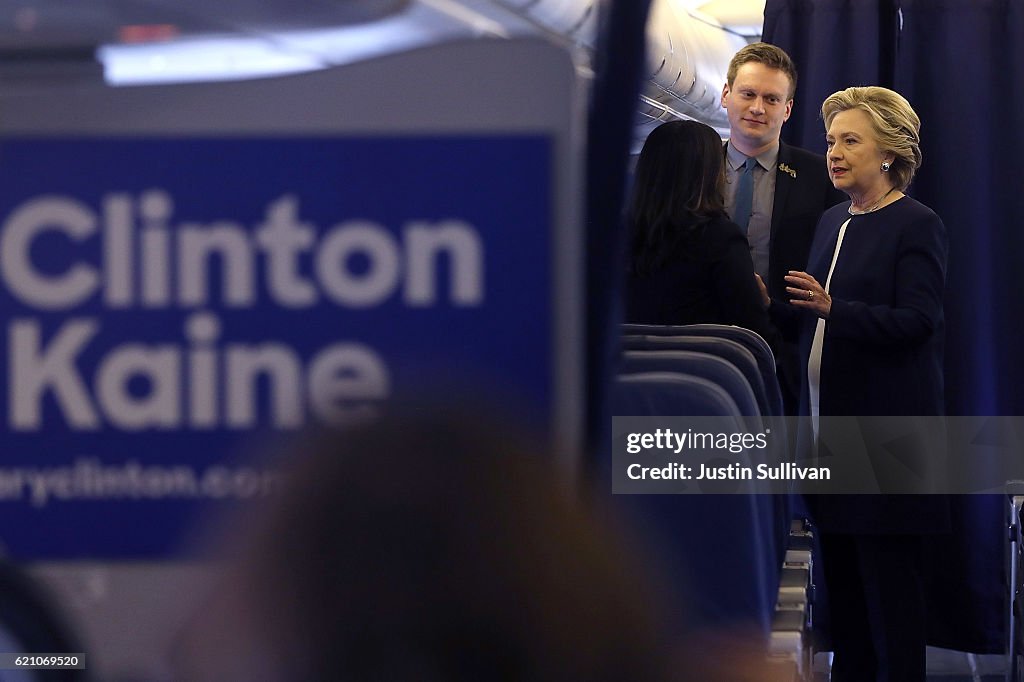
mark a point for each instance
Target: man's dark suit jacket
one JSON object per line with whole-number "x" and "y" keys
{"x": 803, "y": 191}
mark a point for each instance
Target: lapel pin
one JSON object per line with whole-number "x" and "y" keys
{"x": 786, "y": 169}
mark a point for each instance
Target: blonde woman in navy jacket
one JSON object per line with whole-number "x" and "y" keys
{"x": 872, "y": 343}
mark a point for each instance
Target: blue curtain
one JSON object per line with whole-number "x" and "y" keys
{"x": 835, "y": 44}
{"x": 961, "y": 65}
{"x": 618, "y": 64}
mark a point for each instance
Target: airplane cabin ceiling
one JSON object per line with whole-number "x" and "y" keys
{"x": 37, "y": 25}
{"x": 689, "y": 41}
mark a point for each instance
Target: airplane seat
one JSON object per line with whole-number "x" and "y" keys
{"x": 749, "y": 339}
{"x": 719, "y": 546}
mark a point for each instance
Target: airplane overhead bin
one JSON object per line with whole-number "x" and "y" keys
{"x": 687, "y": 55}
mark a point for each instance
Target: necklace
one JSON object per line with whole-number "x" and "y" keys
{"x": 873, "y": 208}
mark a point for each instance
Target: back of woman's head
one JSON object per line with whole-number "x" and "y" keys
{"x": 677, "y": 187}
{"x": 443, "y": 546}
{"x": 432, "y": 547}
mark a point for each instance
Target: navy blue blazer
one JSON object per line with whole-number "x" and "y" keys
{"x": 882, "y": 353}
{"x": 883, "y": 346}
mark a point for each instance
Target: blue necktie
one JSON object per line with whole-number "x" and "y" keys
{"x": 744, "y": 195}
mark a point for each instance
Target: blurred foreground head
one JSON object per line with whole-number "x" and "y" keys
{"x": 428, "y": 548}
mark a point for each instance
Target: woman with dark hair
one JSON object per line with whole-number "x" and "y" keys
{"x": 689, "y": 263}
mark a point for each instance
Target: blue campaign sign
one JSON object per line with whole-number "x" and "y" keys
{"x": 167, "y": 299}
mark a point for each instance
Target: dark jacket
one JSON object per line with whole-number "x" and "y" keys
{"x": 803, "y": 191}
{"x": 707, "y": 277}
{"x": 883, "y": 345}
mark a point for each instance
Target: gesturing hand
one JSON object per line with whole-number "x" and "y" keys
{"x": 805, "y": 292}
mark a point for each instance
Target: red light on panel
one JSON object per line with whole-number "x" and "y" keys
{"x": 147, "y": 33}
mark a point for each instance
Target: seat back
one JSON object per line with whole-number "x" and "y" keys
{"x": 726, "y": 349}
{"x": 720, "y": 546}
{"x": 749, "y": 339}
{"x": 704, "y": 365}
{"x": 733, "y": 344}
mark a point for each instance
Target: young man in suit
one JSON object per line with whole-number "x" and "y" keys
{"x": 786, "y": 188}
